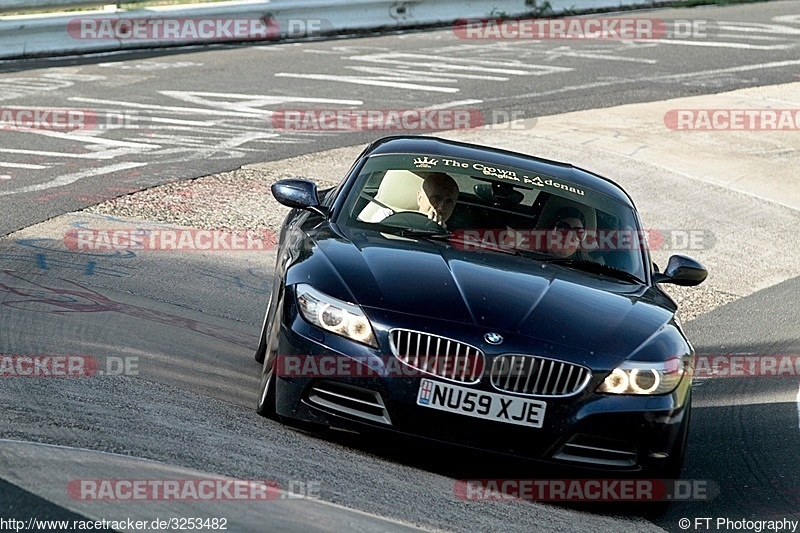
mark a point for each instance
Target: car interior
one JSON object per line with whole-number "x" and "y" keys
{"x": 485, "y": 204}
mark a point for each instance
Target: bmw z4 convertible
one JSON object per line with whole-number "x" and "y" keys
{"x": 483, "y": 298}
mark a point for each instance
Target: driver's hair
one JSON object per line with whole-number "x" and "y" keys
{"x": 569, "y": 212}
{"x": 441, "y": 177}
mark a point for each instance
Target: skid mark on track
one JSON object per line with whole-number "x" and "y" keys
{"x": 61, "y": 297}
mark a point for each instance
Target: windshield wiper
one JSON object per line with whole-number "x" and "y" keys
{"x": 442, "y": 234}
{"x": 596, "y": 268}
{"x": 425, "y": 233}
{"x": 479, "y": 246}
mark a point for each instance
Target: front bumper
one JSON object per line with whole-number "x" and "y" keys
{"x": 588, "y": 430}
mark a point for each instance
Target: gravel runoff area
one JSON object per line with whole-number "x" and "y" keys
{"x": 238, "y": 200}
{"x": 241, "y": 200}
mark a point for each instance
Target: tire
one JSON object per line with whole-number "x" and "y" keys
{"x": 673, "y": 467}
{"x": 261, "y": 351}
{"x": 266, "y": 392}
{"x": 268, "y": 346}
{"x": 262, "y": 339}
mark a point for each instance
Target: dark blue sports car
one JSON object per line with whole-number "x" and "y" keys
{"x": 483, "y": 298}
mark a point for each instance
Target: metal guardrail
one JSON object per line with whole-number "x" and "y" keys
{"x": 33, "y": 6}
{"x": 55, "y": 34}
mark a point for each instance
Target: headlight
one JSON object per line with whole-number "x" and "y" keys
{"x": 334, "y": 315}
{"x": 644, "y": 378}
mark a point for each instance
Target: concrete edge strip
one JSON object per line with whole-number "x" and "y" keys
{"x": 332, "y": 508}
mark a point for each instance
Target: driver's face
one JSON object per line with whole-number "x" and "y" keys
{"x": 569, "y": 233}
{"x": 437, "y": 195}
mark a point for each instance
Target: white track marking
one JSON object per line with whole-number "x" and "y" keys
{"x": 20, "y": 165}
{"x": 250, "y": 103}
{"x": 724, "y": 44}
{"x": 753, "y": 27}
{"x": 675, "y": 77}
{"x": 389, "y": 73}
{"x": 567, "y": 51}
{"x": 791, "y": 19}
{"x": 444, "y": 66}
{"x": 187, "y": 95}
{"x": 743, "y": 68}
{"x": 71, "y": 178}
{"x": 418, "y": 63}
{"x": 428, "y": 72}
{"x": 734, "y": 36}
{"x": 357, "y": 80}
{"x": 164, "y": 108}
{"x": 89, "y": 139}
{"x": 178, "y": 122}
{"x": 455, "y": 103}
{"x": 235, "y": 142}
{"x": 105, "y": 154}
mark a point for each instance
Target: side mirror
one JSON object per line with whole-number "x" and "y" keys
{"x": 682, "y": 270}
{"x": 298, "y": 194}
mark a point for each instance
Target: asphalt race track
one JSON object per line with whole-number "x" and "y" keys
{"x": 169, "y": 338}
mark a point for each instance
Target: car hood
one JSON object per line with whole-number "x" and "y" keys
{"x": 494, "y": 292}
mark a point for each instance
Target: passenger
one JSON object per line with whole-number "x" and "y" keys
{"x": 566, "y": 234}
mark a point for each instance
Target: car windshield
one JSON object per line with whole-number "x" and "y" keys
{"x": 478, "y": 206}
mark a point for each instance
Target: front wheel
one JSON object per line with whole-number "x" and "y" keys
{"x": 673, "y": 467}
{"x": 263, "y": 339}
{"x": 269, "y": 343}
{"x": 266, "y": 391}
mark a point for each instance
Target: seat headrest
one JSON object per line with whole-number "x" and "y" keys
{"x": 399, "y": 190}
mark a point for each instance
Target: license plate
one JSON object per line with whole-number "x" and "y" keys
{"x": 479, "y": 404}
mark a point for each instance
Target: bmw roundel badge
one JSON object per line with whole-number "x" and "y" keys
{"x": 493, "y": 338}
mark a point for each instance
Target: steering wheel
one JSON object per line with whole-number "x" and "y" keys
{"x": 412, "y": 219}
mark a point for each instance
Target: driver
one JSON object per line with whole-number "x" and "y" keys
{"x": 437, "y": 197}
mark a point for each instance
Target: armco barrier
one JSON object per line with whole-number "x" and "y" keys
{"x": 31, "y": 6}
{"x": 43, "y": 35}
